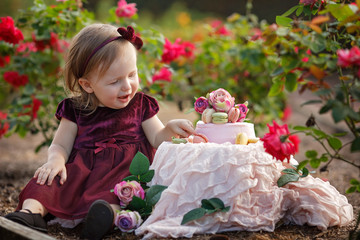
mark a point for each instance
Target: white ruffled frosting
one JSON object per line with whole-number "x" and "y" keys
{"x": 245, "y": 178}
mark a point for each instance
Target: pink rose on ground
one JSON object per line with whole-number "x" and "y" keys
{"x": 279, "y": 143}
{"x": 221, "y": 100}
{"x": 125, "y": 10}
{"x": 201, "y": 104}
{"x": 164, "y": 74}
{"x": 126, "y": 190}
{"x": 127, "y": 221}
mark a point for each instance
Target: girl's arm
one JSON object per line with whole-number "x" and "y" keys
{"x": 156, "y": 132}
{"x": 58, "y": 154}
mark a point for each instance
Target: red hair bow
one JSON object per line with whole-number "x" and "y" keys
{"x": 129, "y": 34}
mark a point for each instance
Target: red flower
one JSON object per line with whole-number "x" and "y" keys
{"x": 286, "y": 114}
{"x": 164, "y": 74}
{"x": 125, "y": 10}
{"x": 8, "y": 32}
{"x": 220, "y": 28}
{"x": 33, "y": 108}
{"x": 188, "y": 49}
{"x": 308, "y": 2}
{"x": 4, "y": 60}
{"x": 4, "y": 126}
{"x": 172, "y": 51}
{"x": 15, "y": 79}
{"x": 26, "y": 48}
{"x": 347, "y": 58}
{"x": 52, "y": 42}
{"x": 276, "y": 142}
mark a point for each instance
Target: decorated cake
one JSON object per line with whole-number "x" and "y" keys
{"x": 222, "y": 120}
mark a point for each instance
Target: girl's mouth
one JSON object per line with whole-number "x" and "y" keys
{"x": 124, "y": 98}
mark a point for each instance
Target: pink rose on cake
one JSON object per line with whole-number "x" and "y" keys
{"x": 221, "y": 100}
{"x": 219, "y": 107}
{"x": 201, "y": 104}
{"x": 126, "y": 190}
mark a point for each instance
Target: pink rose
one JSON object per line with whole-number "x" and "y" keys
{"x": 221, "y": 100}
{"x": 243, "y": 111}
{"x": 201, "y": 104}
{"x": 126, "y": 190}
{"x": 125, "y": 10}
{"x": 127, "y": 221}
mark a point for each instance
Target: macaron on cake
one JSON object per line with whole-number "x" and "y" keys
{"x": 222, "y": 120}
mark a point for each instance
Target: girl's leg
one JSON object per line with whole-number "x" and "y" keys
{"x": 34, "y": 206}
{"x": 115, "y": 207}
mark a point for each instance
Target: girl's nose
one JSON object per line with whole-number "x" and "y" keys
{"x": 126, "y": 85}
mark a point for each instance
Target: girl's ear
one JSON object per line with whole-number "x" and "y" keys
{"x": 85, "y": 84}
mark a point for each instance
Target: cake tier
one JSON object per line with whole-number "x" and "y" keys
{"x": 221, "y": 133}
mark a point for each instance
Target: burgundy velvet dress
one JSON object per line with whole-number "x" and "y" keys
{"x": 105, "y": 145}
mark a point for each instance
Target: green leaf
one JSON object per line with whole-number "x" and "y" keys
{"x": 276, "y": 88}
{"x": 139, "y": 165}
{"x": 213, "y": 203}
{"x": 302, "y": 164}
{"x": 319, "y": 133}
{"x": 354, "y": 182}
{"x": 291, "y": 82}
{"x": 290, "y": 171}
{"x": 277, "y": 72}
{"x": 290, "y": 11}
{"x": 131, "y": 178}
{"x": 301, "y": 128}
{"x": 136, "y": 204}
{"x": 193, "y": 215}
{"x": 315, "y": 163}
{"x": 310, "y": 102}
{"x": 226, "y": 209}
{"x": 351, "y": 189}
{"x": 339, "y": 113}
{"x": 355, "y": 145}
{"x": 283, "y": 21}
{"x": 153, "y": 194}
{"x": 305, "y": 173}
{"x": 311, "y": 154}
{"x": 286, "y": 178}
{"x": 147, "y": 177}
{"x": 335, "y": 143}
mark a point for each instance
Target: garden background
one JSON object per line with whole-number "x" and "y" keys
{"x": 293, "y": 69}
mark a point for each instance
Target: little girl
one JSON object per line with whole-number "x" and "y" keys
{"x": 102, "y": 127}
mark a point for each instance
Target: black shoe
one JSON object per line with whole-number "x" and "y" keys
{"x": 98, "y": 221}
{"x": 31, "y": 220}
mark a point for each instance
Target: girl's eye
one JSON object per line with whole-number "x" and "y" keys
{"x": 133, "y": 74}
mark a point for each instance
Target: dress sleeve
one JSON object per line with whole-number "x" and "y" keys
{"x": 66, "y": 110}
{"x": 150, "y": 107}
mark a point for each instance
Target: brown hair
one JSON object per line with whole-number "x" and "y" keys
{"x": 83, "y": 44}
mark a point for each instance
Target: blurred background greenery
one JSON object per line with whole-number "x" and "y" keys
{"x": 167, "y": 14}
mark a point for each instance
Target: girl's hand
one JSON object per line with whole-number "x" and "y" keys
{"x": 182, "y": 127}
{"x": 49, "y": 170}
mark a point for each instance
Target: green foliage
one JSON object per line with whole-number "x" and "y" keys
{"x": 139, "y": 168}
{"x": 292, "y": 175}
{"x": 208, "y": 206}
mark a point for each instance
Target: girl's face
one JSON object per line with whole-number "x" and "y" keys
{"x": 120, "y": 82}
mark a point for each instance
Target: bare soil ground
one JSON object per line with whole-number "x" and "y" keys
{"x": 18, "y": 163}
